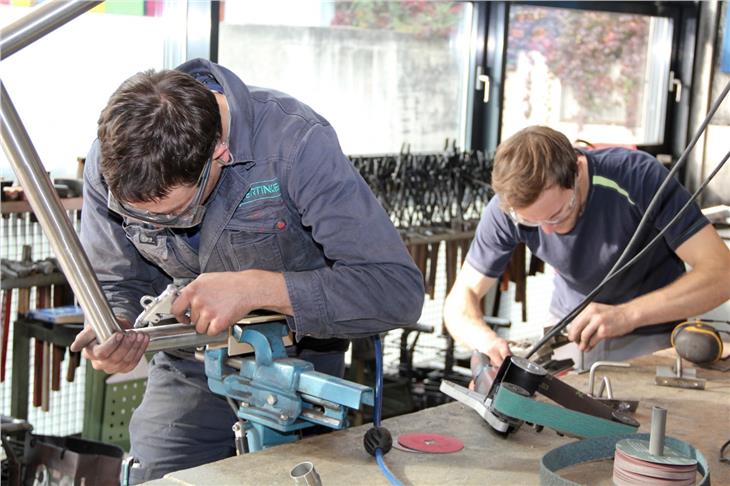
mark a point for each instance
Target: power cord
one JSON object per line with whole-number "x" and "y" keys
{"x": 377, "y": 440}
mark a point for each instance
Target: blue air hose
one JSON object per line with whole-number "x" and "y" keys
{"x": 378, "y": 440}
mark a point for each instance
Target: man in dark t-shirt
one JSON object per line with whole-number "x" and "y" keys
{"x": 577, "y": 211}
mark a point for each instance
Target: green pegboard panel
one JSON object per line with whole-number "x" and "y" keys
{"x": 120, "y": 400}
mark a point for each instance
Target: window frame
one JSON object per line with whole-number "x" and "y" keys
{"x": 684, "y": 14}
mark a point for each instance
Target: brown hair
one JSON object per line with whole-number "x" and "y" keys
{"x": 157, "y": 132}
{"x": 530, "y": 161}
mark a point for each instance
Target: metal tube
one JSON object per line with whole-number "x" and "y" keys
{"x": 304, "y": 474}
{"x": 175, "y": 336}
{"x": 41, "y": 21}
{"x": 658, "y": 430}
{"x": 599, "y": 364}
{"x": 52, "y": 217}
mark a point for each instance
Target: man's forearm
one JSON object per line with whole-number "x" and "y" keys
{"x": 693, "y": 293}
{"x": 271, "y": 290}
{"x": 463, "y": 319}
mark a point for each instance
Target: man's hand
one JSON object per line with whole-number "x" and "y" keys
{"x": 496, "y": 348}
{"x": 119, "y": 354}
{"x": 218, "y": 300}
{"x": 598, "y": 322}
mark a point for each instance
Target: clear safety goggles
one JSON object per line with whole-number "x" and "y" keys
{"x": 189, "y": 217}
{"x": 561, "y": 217}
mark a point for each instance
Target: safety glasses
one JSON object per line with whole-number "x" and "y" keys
{"x": 561, "y": 217}
{"x": 191, "y": 216}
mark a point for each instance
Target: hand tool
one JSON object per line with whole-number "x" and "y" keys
{"x": 46, "y": 376}
{"x": 157, "y": 308}
{"x": 43, "y": 295}
{"x": 58, "y": 353}
{"x": 74, "y": 359}
{"x": 509, "y": 402}
{"x": 7, "y": 300}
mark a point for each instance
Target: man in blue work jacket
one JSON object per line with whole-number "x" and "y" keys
{"x": 244, "y": 193}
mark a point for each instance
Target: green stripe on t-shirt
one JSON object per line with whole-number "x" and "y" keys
{"x": 611, "y": 184}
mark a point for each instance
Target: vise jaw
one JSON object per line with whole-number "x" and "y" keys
{"x": 277, "y": 392}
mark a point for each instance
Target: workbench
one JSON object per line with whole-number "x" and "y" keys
{"x": 700, "y": 417}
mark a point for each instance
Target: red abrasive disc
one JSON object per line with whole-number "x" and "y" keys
{"x": 431, "y": 443}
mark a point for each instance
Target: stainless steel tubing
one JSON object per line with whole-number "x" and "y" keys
{"x": 44, "y": 19}
{"x": 304, "y": 474}
{"x": 52, "y": 218}
{"x": 173, "y": 336}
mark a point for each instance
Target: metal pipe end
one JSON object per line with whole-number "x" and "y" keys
{"x": 304, "y": 474}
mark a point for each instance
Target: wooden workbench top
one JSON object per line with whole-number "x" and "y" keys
{"x": 700, "y": 417}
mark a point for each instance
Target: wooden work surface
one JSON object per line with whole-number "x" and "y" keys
{"x": 700, "y": 417}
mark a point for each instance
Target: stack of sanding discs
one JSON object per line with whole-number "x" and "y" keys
{"x": 633, "y": 464}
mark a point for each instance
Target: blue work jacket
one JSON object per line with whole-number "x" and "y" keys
{"x": 290, "y": 202}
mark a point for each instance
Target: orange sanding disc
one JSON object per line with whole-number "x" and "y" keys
{"x": 430, "y": 443}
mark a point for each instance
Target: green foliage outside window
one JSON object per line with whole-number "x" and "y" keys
{"x": 418, "y": 17}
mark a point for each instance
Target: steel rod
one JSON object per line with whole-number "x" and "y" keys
{"x": 41, "y": 21}
{"x": 65, "y": 243}
{"x": 46, "y": 205}
{"x": 173, "y": 336}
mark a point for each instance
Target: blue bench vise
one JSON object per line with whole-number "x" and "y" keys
{"x": 278, "y": 396}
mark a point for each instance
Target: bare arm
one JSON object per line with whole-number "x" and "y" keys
{"x": 463, "y": 315}
{"x": 704, "y": 287}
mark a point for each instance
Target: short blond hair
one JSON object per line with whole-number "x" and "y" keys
{"x": 530, "y": 161}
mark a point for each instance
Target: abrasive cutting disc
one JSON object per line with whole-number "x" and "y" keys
{"x": 431, "y": 443}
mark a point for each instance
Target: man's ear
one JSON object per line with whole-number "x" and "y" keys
{"x": 221, "y": 154}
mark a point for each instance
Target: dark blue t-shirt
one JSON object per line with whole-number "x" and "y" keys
{"x": 621, "y": 185}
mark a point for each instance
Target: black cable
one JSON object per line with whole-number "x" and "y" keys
{"x": 655, "y": 200}
{"x": 637, "y": 233}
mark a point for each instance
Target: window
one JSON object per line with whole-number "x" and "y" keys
{"x": 597, "y": 76}
{"x": 60, "y": 83}
{"x": 384, "y": 74}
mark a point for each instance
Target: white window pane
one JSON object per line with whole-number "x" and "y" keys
{"x": 597, "y": 76}
{"x": 383, "y": 73}
{"x": 60, "y": 83}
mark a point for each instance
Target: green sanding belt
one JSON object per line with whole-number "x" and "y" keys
{"x": 599, "y": 448}
{"x": 561, "y": 419}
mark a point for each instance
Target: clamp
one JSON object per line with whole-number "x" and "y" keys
{"x": 157, "y": 308}
{"x": 277, "y": 396}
